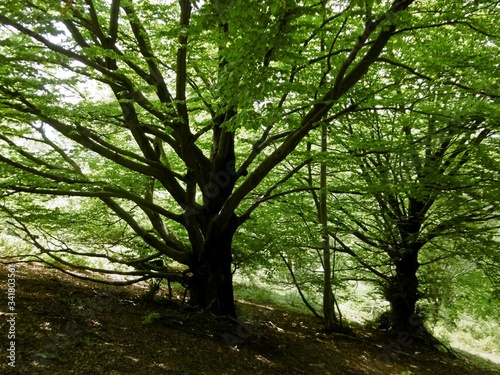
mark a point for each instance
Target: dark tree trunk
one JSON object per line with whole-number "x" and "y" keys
{"x": 212, "y": 284}
{"x": 402, "y": 293}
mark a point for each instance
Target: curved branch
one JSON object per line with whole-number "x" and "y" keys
{"x": 304, "y": 299}
{"x": 347, "y": 250}
{"x": 169, "y": 249}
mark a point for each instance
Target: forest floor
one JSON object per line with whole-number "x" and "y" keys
{"x": 67, "y": 326}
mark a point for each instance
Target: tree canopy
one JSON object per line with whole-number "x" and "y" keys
{"x": 168, "y": 125}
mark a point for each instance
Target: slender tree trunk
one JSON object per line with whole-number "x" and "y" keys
{"x": 331, "y": 323}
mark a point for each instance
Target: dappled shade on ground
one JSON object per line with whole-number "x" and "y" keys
{"x": 69, "y": 326}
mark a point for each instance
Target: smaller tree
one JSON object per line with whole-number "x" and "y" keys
{"x": 422, "y": 183}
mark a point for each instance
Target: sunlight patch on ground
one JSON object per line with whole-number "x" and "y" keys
{"x": 245, "y": 302}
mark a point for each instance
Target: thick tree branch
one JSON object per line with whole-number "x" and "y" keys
{"x": 170, "y": 250}
{"x": 155, "y": 76}
{"x": 157, "y": 170}
{"x": 347, "y": 250}
{"x": 181, "y": 77}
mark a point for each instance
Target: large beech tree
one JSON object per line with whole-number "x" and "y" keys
{"x": 160, "y": 118}
{"x": 422, "y": 155}
{"x": 425, "y": 192}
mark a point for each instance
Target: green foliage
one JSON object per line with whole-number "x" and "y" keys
{"x": 117, "y": 119}
{"x": 263, "y": 293}
{"x": 475, "y": 336}
{"x": 151, "y": 318}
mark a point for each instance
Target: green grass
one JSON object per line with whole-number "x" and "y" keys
{"x": 476, "y": 337}
{"x": 265, "y": 294}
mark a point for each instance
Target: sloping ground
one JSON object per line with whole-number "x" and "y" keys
{"x": 68, "y": 326}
